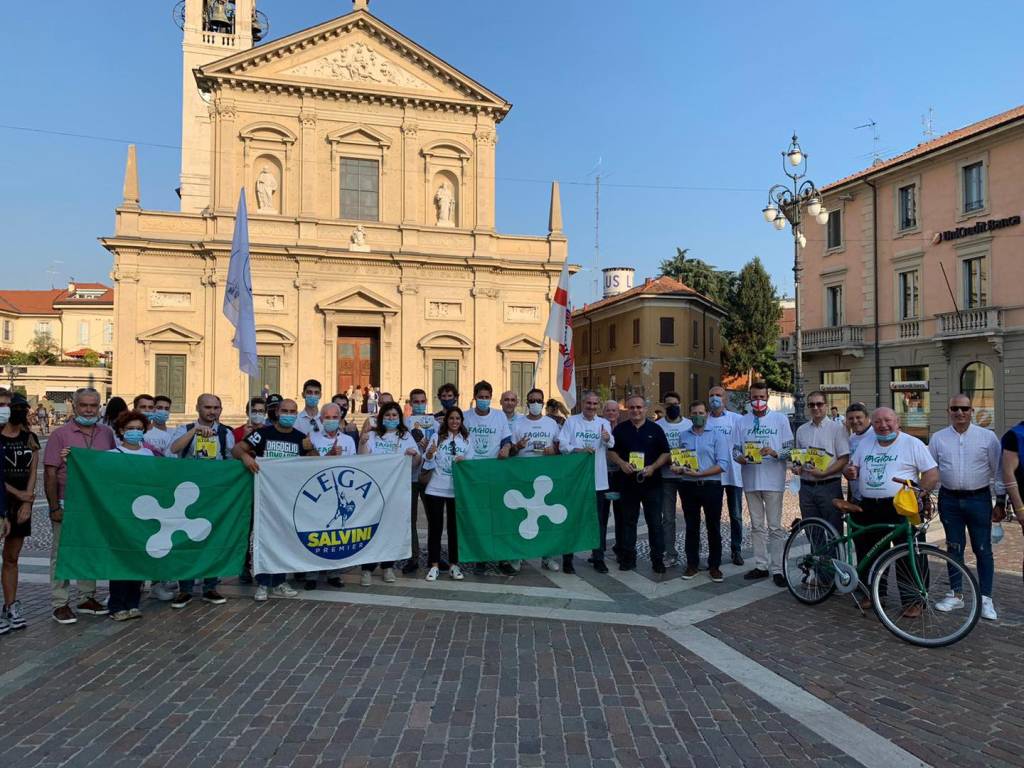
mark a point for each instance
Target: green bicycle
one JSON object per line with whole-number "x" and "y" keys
{"x": 905, "y": 585}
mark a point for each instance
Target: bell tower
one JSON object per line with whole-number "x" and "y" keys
{"x": 211, "y": 30}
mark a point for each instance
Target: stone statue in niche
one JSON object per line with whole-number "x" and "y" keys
{"x": 357, "y": 242}
{"x": 266, "y": 188}
{"x": 444, "y": 202}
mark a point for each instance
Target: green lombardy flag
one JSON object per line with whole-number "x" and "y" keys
{"x": 516, "y": 509}
{"x": 137, "y": 517}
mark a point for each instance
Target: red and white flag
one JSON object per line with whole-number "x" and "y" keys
{"x": 559, "y": 330}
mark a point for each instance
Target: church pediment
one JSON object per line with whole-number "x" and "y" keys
{"x": 354, "y": 53}
{"x": 358, "y": 299}
{"x": 521, "y": 343}
{"x": 170, "y": 332}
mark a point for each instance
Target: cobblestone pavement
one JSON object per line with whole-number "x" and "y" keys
{"x": 625, "y": 669}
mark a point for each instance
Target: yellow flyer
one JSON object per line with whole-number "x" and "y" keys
{"x": 752, "y": 452}
{"x": 818, "y": 458}
{"x": 636, "y": 458}
{"x": 206, "y": 447}
{"x": 798, "y": 456}
{"x": 683, "y": 457}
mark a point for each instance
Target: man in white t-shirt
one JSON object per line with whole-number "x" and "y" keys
{"x": 158, "y": 437}
{"x": 885, "y": 456}
{"x": 724, "y": 422}
{"x": 423, "y": 427}
{"x": 858, "y": 427}
{"x": 489, "y": 438}
{"x": 509, "y": 403}
{"x": 761, "y": 445}
{"x": 535, "y": 435}
{"x": 586, "y": 432}
{"x": 673, "y": 424}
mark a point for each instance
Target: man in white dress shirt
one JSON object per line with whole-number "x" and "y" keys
{"x": 968, "y": 459}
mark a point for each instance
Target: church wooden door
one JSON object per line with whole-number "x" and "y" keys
{"x": 357, "y": 361}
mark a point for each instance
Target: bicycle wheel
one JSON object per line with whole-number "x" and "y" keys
{"x": 807, "y": 561}
{"x": 908, "y": 587}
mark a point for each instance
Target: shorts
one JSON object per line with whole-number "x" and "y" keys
{"x": 20, "y": 530}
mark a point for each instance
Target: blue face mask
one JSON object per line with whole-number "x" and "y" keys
{"x": 419, "y": 408}
{"x": 716, "y": 402}
{"x": 312, "y": 400}
{"x": 331, "y": 425}
{"x": 160, "y": 417}
{"x": 482, "y": 404}
{"x": 886, "y": 439}
{"x": 133, "y": 436}
{"x": 287, "y": 419}
{"x": 86, "y": 421}
{"x": 447, "y": 403}
{"x": 390, "y": 423}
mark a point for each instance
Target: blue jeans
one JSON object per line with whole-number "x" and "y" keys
{"x": 269, "y": 579}
{"x": 734, "y": 501}
{"x": 973, "y": 513}
{"x": 188, "y": 585}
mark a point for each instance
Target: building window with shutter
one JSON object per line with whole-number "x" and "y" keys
{"x": 8, "y": 330}
{"x": 835, "y": 229}
{"x": 975, "y": 282}
{"x": 974, "y": 187}
{"x": 611, "y": 337}
{"x": 83, "y": 332}
{"x": 834, "y": 305}
{"x": 108, "y": 333}
{"x": 636, "y": 331}
{"x": 696, "y": 334}
{"x": 907, "y": 196}
{"x": 666, "y": 384}
{"x": 667, "y": 327}
{"x": 908, "y": 295}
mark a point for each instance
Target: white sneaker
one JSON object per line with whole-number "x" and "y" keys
{"x": 551, "y": 564}
{"x": 389, "y": 575}
{"x": 366, "y": 579}
{"x": 455, "y": 573}
{"x": 284, "y": 590}
{"x": 432, "y": 573}
{"x": 988, "y": 610}
{"x": 261, "y": 595}
{"x": 950, "y": 603}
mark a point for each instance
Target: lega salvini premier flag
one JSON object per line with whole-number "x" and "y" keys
{"x": 333, "y": 512}
{"x": 514, "y": 509}
{"x": 140, "y": 517}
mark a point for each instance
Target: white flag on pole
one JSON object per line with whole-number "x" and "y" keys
{"x": 559, "y": 330}
{"x": 238, "y": 307}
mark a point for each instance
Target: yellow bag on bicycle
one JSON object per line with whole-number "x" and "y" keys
{"x": 905, "y": 503}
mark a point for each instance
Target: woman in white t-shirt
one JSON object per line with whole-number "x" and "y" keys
{"x": 448, "y": 446}
{"x": 125, "y": 596}
{"x": 389, "y": 437}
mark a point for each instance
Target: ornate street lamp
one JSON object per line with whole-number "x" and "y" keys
{"x": 786, "y": 204}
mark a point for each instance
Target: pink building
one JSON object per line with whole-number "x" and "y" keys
{"x": 913, "y": 290}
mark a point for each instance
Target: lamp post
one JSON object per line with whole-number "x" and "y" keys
{"x": 789, "y": 203}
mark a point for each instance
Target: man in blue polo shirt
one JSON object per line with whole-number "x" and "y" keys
{"x": 640, "y": 451}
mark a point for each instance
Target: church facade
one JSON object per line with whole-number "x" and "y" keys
{"x": 368, "y": 165}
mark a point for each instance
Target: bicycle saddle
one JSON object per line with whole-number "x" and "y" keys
{"x": 846, "y": 507}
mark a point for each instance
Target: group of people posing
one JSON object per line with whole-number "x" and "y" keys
{"x": 703, "y": 460}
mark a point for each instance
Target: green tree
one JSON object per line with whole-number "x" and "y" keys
{"x": 699, "y": 275}
{"x": 752, "y": 327}
{"x": 42, "y": 350}
{"x": 91, "y": 358}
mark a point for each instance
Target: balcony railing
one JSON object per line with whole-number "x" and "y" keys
{"x": 910, "y": 329}
{"x": 970, "y": 322}
{"x": 836, "y": 337}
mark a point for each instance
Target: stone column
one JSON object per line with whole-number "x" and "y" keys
{"x": 410, "y": 130}
{"x": 226, "y": 179}
{"x": 306, "y": 346}
{"x": 408, "y": 291}
{"x": 483, "y": 208}
{"x": 308, "y": 153}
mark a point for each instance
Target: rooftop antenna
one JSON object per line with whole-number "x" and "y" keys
{"x": 876, "y": 153}
{"x": 53, "y": 272}
{"x": 928, "y": 124}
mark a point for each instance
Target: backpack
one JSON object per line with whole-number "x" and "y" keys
{"x": 222, "y": 439}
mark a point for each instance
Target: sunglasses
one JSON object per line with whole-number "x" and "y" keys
{"x": 961, "y": 408}
{"x": 816, "y": 405}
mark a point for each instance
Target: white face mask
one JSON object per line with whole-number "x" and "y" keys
{"x": 5, "y": 414}
{"x": 535, "y": 408}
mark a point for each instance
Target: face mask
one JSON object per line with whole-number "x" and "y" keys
{"x": 535, "y": 408}
{"x": 716, "y": 402}
{"x": 86, "y": 421}
{"x": 160, "y": 417}
{"x": 344, "y": 410}
{"x": 312, "y": 400}
{"x": 133, "y": 436}
{"x": 287, "y": 419}
{"x": 759, "y": 406}
{"x": 699, "y": 421}
{"x": 258, "y": 419}
{"x": 419, "y": 408}
{"x": 390, "y": 423}
{"x": 331, "y": 425}
{"x": 447, "y": 403}
{"x": 5, "y": 414}
{"x": 672, "y": 411}
{"x": 483, "y": 405}
{"x": 886, "y": 439}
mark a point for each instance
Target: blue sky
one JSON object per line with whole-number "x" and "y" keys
{"x": 687, "y": 105}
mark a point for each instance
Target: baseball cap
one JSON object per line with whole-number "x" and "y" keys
{"x": 274, "y": 401}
